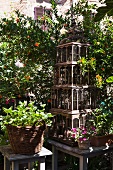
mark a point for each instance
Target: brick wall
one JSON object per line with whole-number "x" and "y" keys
{"x": 27, "y": 6}
{"x": 4, "y": 7}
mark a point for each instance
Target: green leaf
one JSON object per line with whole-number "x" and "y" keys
{"x": 109, "y": 79}
{"x": 102, "y": 11}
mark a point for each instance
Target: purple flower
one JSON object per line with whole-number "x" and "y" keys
{"x": 84, "y": 132}
{"x": 80, "y": 139}
{"x": 74, "y": 130}
{"x": 93, "y": 128}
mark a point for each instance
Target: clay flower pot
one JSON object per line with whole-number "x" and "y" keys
{"x": 84, "y": 144}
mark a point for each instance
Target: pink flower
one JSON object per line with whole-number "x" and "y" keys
{"x": 82, "y": 139}
{"x": 7, "y": 101}
{"x": 84, "y": 132}
{"x": 74, "y": 130}
{"x": 73, "y": 135}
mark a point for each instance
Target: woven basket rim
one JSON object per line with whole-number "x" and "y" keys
{"x": 27, "y": 126}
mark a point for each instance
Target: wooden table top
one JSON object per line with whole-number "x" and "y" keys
{"x": 8, "y": 153}
{"x": 74, "y": 149}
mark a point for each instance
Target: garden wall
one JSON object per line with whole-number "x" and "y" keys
{"x": 28, "y": 6}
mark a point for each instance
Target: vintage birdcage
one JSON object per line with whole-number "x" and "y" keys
{"x": 73, "y": 94}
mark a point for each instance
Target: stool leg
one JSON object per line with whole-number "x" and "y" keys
{"x": 41, "y": 165}
{"x": 83, "y": 163}
{"x": 112, "y": 160}
{"x": 30, "y": 165}
{"x": 6, "y": 164}
{"x": 54, "y": 158}
{"x": 15, "y": 165}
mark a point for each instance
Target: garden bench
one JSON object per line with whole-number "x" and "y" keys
{"x": 13, "y": 160}
{"x": 83, "y": 155}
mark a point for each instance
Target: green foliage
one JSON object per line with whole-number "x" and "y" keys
{"x": 102, "y": 117}
{"x": 107, "y": 8}
{"x": 57, "y": 22}
{"x": 98, "y": 61}
{"x": 72, "y": 162}
{"x": 109, "y": 79}
{"x": 87, "y": 64}
{"x": 26, "y": 58}
{"x": 26, "y": 115}
{"x": 100, "y": 37}
{"x": 28, "y": 53}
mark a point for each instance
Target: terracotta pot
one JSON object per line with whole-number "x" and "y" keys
{"x": 101, "y": 140}
{"x": 84, "y": 144}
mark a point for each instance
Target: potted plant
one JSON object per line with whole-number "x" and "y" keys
{"x": 25, "y": 127}
{"x": 102, "y": 119}
{"x": 82, "y": 136}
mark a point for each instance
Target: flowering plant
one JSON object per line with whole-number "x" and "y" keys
{"x": 26, "y": 59}
{"x": 83, "y": 133}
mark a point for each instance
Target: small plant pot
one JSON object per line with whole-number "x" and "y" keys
{"x": 84, "y": 144}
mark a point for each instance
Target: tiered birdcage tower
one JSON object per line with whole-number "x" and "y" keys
{"x": 73, "y": 94}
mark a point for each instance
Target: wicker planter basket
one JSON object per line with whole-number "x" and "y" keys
{"x": 26, "y": 140}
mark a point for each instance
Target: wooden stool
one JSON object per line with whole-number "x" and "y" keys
{"x": 13, "y": 160}
{"x": 83, "y": 155}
